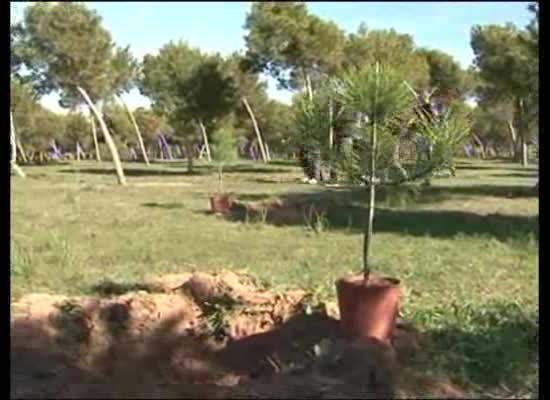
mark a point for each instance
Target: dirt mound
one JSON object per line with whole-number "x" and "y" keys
{"x": 191, "y": 336}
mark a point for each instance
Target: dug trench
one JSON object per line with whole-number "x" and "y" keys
{"x": 198, "y": 336}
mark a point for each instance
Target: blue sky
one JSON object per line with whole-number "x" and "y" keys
{"x": 218, "y": 26}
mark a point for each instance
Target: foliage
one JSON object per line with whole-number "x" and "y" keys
{"x": 446, "y": 76}
{"x": 77, "y": 129}
{"x": 65, "y": 47}
{"x": 288, "y": 42}
{"x": 174, "y": 63}
{"x": 223, "y": 145}
{"x": 389, "y": 48}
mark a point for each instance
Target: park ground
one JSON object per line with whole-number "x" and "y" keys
{"x": 466, "y": 249}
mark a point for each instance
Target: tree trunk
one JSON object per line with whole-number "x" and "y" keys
{"x": 96, "y": 143}
{"x": 189, "y": 154}
{"x": 330, "y": 138}
{"x": 308, "y": 86}
{"x": 480, "y": 144}
{"x": 524, "y": 153}
{"x": 136, "y": 128}
{"x": 513, "y": 139}
{"x": 13, "y": 160}
{"x": 367, "y": 244}
{"x": 21, "y": 151}
{"x": 256, "y": 129}
{"x": 267, "y": 152}
{"x": 205, "y": 138}
{"x": 522, "y": 133}
{"x": 107, "y": 136}
{"x": 201, "y": 152}
{"x": 55, "y": 149}
{"x": 77, "y": 150}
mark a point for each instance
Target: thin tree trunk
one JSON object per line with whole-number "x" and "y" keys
{"x": 136, "y": 128}
{"x": 205, "y": 138}
{"x": 256, "y": 129}
{"x": 330, "y": 137}
{"x": 480, "y": 144}
{"x": 96, "y": 143}
{"x": 267, "y": 152}
{"x": 77, "y": 149}
{"x": 189, "y": 154}
{"x": 522, "y": 133}
{"x": 55, "y": 148}
{"x": 201, "y": 152}
{"x": 367, "y": 245}
{"x": 107, "y": 135}
{"x": 21, "y": 151}
{"x": 524, "y": 153}
{"x": 13, "y": 160}
{"x": 308, "y": 86}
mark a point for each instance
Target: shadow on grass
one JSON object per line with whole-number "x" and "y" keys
{"x": 527, "y": 174}
{"x": 342, "y": 210}
{"x": 508, "y": 191}
{"x": 244, "y": 168}
{"x": 166, "y": 206}
{"x": 135, "y": 172}
{"x": 488, "y": 346}
{"x": 478, "y": 167}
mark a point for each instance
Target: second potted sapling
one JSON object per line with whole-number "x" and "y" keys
{"x": 223, "y": 149}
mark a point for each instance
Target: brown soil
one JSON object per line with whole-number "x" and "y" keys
{"x": 160, "y": 345}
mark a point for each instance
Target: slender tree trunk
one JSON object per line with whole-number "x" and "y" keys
{"x": 267, "y": 151}
{"x": 330, "y": 137}
{"x": 77, "y": 150}
{"x": 136, "y": 128}
{"x": 21, "y": 151}
{"x": 107, "y": 136}
{"x": 96, "y": 143}
{"x": 256, "y": 129}
{"x": 189, "y": 154}
{"x": 201, "y": 152}
{"x": 480, "y": 144}
{"x": 513, "y": 139}
{"x": 55, "y": 148}
{"x": 205, "y": 138}
{"x": 13, "y": 160}
{"x": 522, "y": 133}
{"x": 308, "y": 86}
{"x": 524, "y": 153}
{"x": 367, "y": 245}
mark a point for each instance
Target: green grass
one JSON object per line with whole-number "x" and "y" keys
{"x": 466, "y": 249}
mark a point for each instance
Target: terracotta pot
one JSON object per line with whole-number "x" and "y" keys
{"x": 368, "y": 310}
{"x": 220, "y": 203}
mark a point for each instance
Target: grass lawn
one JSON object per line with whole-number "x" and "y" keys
{"x": 466, "y": 249}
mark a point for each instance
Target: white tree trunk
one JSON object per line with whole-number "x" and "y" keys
{"x": 267, "y": 152}
{"x": 21, "y": 150}
{"x": 513, "y": 138}
{"x": 309, "y": 88}
{"x": 256, "y": 129}
{"x": 96, "y": 143}
{"x": 205, "y": 138}
{"x": 136, "y": 128}
{"x": 13, "y": 159}
{"x": 480, "y": 144}
{"x": 107, "y": 135}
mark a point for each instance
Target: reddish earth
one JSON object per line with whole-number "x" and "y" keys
{"x": 160, "y": 345}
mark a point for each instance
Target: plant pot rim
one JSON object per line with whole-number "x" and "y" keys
{"x": 374, "y": 280}
{"x": 218, "y": 195}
